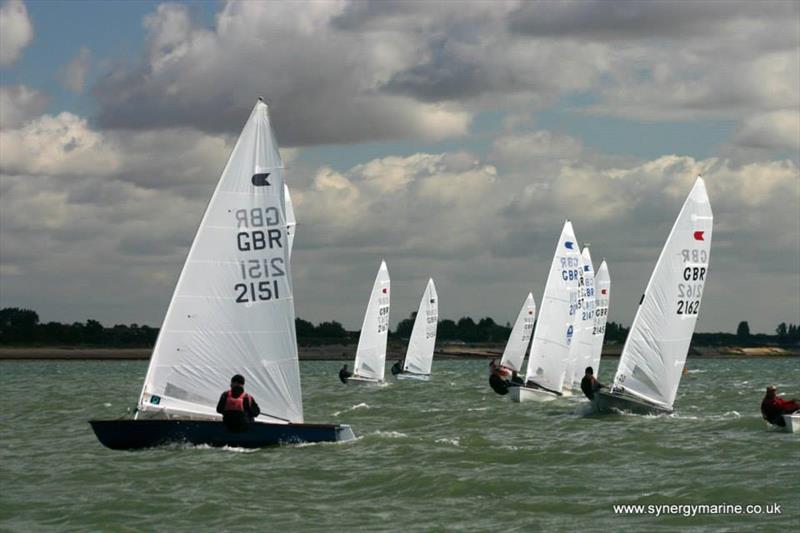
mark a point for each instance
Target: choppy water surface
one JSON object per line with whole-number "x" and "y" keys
{"x": 449, "y": 454}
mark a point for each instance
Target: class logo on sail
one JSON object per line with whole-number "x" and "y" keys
{"x": 570, "y": 330}
{"x": 260, "y": 180}
{"x": 698, "y": 235}
{"x": 569, "y": 245}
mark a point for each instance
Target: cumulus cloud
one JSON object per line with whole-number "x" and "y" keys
{"x": 73, "y": 75}
{"x": 342, "y": 72}
{"x": 123, "y": 205}
{"x": 19, "y": 104}
{"x": 16, "y": 31}
{"x": 777, "y": 129}
{"x": 322, "y": 81}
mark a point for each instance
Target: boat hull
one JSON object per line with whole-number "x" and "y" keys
{"x": 137, "y": 434}
{"x": 413, "y": 377}
{"x": 792, "y": 423}
{"x": 525, "y": 394}
{"x": 606, "y": 402}
{"x": 357, "y": 380}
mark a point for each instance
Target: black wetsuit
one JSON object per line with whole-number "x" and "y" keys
{"x": 344, "y": 374}
{"x": 517, "y": 381}
{"x": 397, "y": 368}
{"x": 498, "y": 384}
{"x": 589, "y": 385}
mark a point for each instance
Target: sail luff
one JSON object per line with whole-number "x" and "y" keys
{"x": 655, "y": 351}
{"x": 520, "y": 338}
{"x": 550, "y": 346}
{"x": 419, "y": 355}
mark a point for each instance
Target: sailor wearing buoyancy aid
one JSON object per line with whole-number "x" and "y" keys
{"x": 236, "y": 406}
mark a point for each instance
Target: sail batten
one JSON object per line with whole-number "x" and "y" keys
{"x": 655, "y": 351}
{"x": 419, "y": 356}
{"x": 552, "y": 337}
{"x": 232, "y": 311}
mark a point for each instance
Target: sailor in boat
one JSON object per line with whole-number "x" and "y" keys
{"x": 498, "y": 384}
{"x": 589, "y": 383}
{"x": 516, "y": 381}
{"x": 237, "y": 407}
{"x": 344, "y": 374}
{"x": 397, "y": 368}
{"x": 774, "y": 407}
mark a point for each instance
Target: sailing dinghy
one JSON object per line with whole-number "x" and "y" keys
{"x": 419, "y": 355}
{"x": 547, "y": 363}
{"x": 652, "y": 360}
{"x": 370, "y": 362}
{"x": 232, "y": 312}
{"x": 520, "y": 338}
{"x": 602, "y": 291}
{"x": 580, "y": 350}
{"x": 792, "y": 423}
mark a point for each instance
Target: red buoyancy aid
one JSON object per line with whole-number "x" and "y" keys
{"x": 235, "y": 404}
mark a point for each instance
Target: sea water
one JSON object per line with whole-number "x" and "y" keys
{"x": 449, "y": 454}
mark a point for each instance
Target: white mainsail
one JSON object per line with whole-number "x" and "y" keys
{"x": 550, "y": 347}
{"x": 371, "y": 351}
{"x": 602, "y": 290}
{"x": 655, "y": 351}
{"x": 419, "y": 356}
{"x": 291, "y": 222}
{"x": 232, "y": 311}
{"x": 520, "y": 337}
{"x": 580, "y": 351}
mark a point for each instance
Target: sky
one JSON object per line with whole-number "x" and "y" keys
{"x": 450, "y": 138}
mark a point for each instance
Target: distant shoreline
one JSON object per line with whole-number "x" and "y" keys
{"x": 347, "y": 352}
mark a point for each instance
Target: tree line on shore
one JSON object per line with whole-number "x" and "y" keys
{"x": 21, "y": 327}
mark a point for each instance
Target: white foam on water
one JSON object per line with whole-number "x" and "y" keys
{"x": 361, "y": 405}
{"x": 390, "y": 434}
{"x": 234, "y": 449}
{"x": 453, "y": 442}
{"x": 478, "y": 409}
{"x": 107, "y": 404}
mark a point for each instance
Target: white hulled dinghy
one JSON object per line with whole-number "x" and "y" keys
{"x": 792, "y": 423}
{"x": 547, "y": 363}
{"x": 517, "y": 345}
{"x": 602, "y": 291}
{"x": 652, "y": 360}
{"x": 370, "y": 362}
{"x": 580, "y": 349}
{"x": 419, "y": 355}
{"x": 232, "y": 312}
